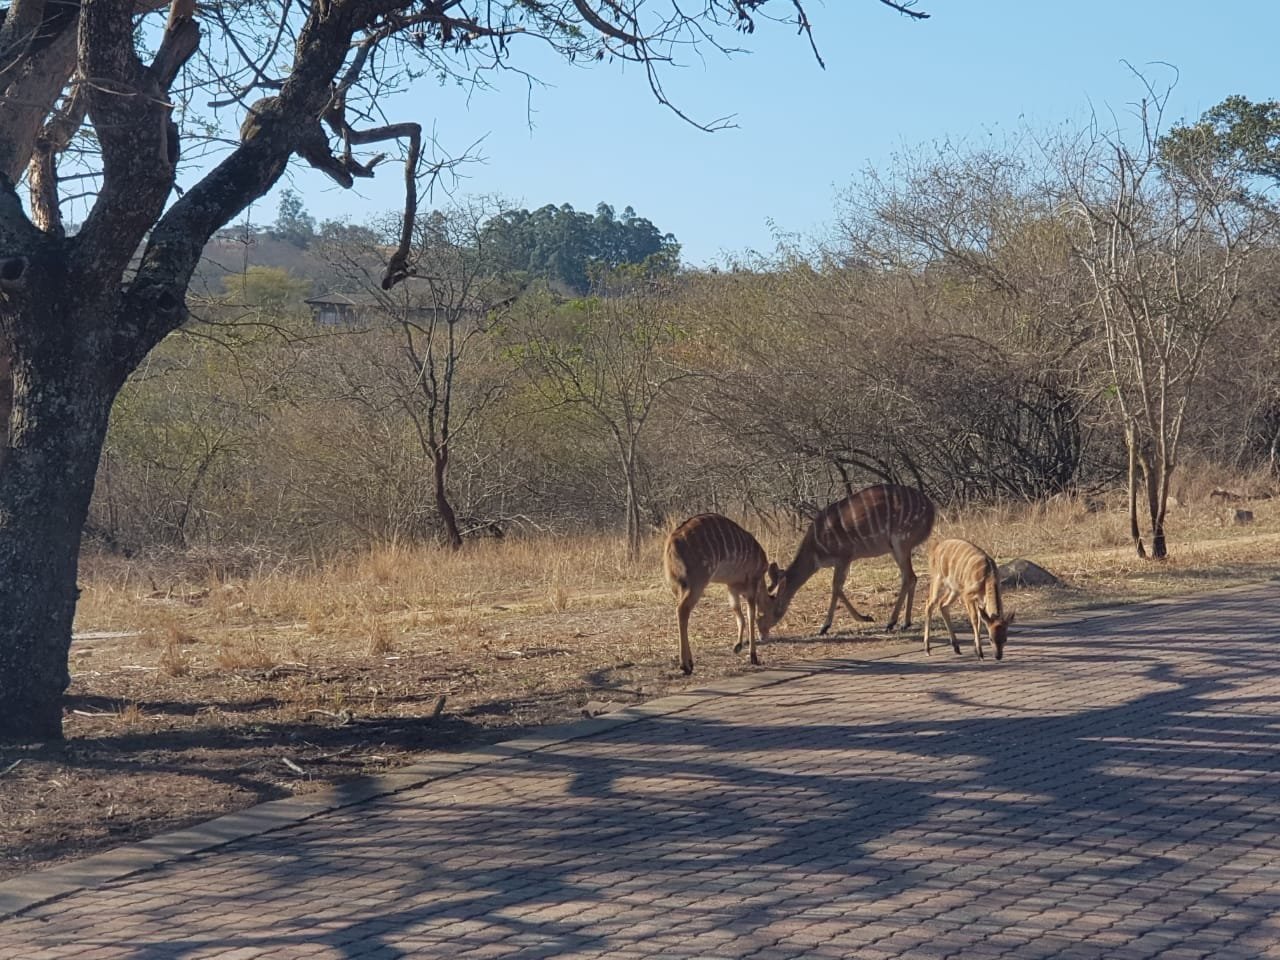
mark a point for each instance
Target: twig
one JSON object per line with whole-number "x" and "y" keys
{"x": 342, "y": 716}
{"x": 10, "y": 767}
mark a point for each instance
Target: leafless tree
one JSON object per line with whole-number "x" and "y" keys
{"x": 610, "y": 358}
{"x": 424, "y": 335}
{"x": 1165, "y": 253}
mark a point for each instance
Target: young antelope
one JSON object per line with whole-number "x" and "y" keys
{"x": 707, "y": 549}
{"x": 959, "y": 570}
{"x": 886, "y": 518}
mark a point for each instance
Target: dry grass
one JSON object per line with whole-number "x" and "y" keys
{"x": 470, "y": 609}
{"x": 381, "y": 642}
{"x": 130, "y": 715}
{"x": 559, "y": 600}
{"x": 172, "y": 662}
{"x": 250, "y": 653}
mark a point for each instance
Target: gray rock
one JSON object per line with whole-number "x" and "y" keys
{"x": 1024, "y": 573}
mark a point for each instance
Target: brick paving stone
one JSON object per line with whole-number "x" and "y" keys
{"x": 1110, "y": 791}
{"x": 979, "y": 951}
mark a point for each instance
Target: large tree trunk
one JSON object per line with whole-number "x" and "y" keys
{"x": 61, "y": 402}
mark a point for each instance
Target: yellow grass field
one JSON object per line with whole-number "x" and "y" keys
{"x": 512, "y": 601}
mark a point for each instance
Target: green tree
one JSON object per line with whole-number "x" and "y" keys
{"x": 569, "y": 247}
{"x": 1236, "y": 136}
{"x": 293, "y": 224}
{"x": 272, "y": 288}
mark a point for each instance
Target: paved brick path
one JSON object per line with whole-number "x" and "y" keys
{"x": 1111, "y": 790}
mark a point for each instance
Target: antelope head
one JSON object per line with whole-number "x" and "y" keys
{"x": 775, "y": 600}
{"x": 999, "y": 629}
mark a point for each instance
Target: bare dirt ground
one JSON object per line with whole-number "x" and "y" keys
{"x": 203, "y": 686}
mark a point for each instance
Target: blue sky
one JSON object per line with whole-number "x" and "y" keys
{"x": 972, "y": 70}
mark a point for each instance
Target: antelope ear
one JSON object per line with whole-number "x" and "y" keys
{"x": 986, "y": 617}
{"x": 773, "y": 573}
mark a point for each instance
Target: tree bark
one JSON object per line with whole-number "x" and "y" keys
{"x": 1159, "y": 548}
{"x": 1131, "y": 441}
{"x": 633, "y": 513}
{"x": 61, "y": 404}
{"x": 1155, "y": 482}
{"x": 1158, "y": 492}
{"x": 448, "y": 519}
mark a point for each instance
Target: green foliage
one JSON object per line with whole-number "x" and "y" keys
{"x": 568, "y": 247}
{"x": 341, "y": 231}
{"x": 1237, "y": 134}
{"x": 293, "y": 223}
{"x": 271, "y": 288}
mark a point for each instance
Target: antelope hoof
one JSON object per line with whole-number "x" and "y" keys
{"x": 737, "y": 647}
{"x": 686, "y": 669}
{"x": 865, "y": 619}
{"x": 755, "y": 660}
{"x": 956, "y": 648}
{"x": 822, "y": 630}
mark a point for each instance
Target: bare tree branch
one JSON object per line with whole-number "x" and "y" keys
{"x": 181, "y": 37}
{"x": 906, "y": 9}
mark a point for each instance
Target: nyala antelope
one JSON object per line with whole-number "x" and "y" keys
{"x": 959, "y": 570}
{"x": 707, "y": 549}
{"x": 886, "y": 518}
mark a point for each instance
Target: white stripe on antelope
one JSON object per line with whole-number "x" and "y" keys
{"x": 958, "y": 570}
{"x": 708, "y": 549}
{"x": 886, "y": 518}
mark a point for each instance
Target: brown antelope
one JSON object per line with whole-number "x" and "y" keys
{"x": 707, "y": 549}
{"x": 959, "y": 570}
{"x": 886, "y": 518}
